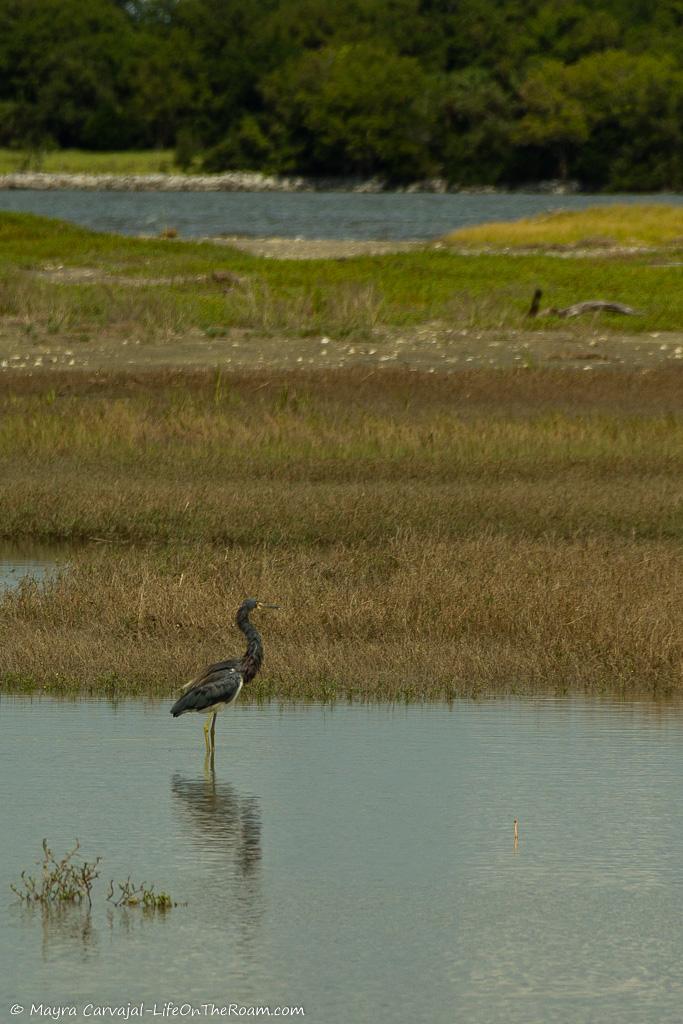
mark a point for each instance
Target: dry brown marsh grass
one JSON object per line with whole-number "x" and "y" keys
{"x": 417, "y": 619}
{"x": 349, "y": 308}
{"x": 427, "y": 536}
{"x": 393, "y": 390}
{"x": 323, "y": 459}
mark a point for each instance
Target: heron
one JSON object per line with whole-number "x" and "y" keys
{"x": 219, "y": 685}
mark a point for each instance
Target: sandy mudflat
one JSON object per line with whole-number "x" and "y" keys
{"x": 318, "y": 248}
{"x": 428, "y": 347}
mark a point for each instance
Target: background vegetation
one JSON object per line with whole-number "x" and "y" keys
{"x": 475, "y": 91}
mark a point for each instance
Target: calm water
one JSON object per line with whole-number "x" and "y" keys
{"x": 357, "y": 861}
{"x": 37, "y": 561}
{"x": 298, "y": 214}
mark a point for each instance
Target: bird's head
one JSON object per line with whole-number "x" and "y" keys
{"x": 251, "y": 604}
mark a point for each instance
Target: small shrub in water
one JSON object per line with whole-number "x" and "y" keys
{"x": 142, "y": 895}
{"x": 62, "y": 881}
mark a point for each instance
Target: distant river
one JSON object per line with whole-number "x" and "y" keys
{"x": 337, "y": 215}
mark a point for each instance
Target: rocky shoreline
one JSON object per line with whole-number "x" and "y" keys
{"x": 248, "y": 181}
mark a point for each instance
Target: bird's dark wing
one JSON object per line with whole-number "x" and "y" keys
{"x": 217, "y": 684}
{"x": 210, "y": 670}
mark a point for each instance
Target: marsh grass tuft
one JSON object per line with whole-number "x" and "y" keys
{"x": 46, "y": 309}
{"x": 347, "y": 309}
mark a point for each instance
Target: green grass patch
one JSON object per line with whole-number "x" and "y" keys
{"x": 80, "y": 161}
{"x": 303, "y": 297}
{"x": 636, "y": 224}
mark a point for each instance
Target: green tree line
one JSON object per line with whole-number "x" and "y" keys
{"x": 474, "y": 91}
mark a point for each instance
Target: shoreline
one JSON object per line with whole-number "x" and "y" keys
{"x": 253, "y": 181}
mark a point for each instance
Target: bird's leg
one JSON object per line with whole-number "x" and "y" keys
{"x": 213, "y": 733}
{"x": 206, "y": 735}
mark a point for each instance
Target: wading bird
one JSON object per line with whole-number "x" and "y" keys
{"x": 219, "y": 684}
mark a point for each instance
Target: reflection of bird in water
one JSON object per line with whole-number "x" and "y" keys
{"x": 219, "y": 685}
{"x": 225, "y": 829}
{"x": 223, "y": 817}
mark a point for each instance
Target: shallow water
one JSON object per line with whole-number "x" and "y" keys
{"x": 35, "y": 561}
{"x": 356, "y": 861}
{"x": 338, "y": 215}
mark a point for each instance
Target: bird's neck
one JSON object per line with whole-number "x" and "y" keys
{"x": 253, "y": 656}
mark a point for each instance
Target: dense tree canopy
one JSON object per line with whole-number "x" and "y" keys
{"x": 475, "y": 91}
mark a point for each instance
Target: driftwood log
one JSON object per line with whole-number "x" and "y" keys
{"x": 592, "y": 306}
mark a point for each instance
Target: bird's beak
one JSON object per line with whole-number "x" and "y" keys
{"x": 267, "y": 605}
